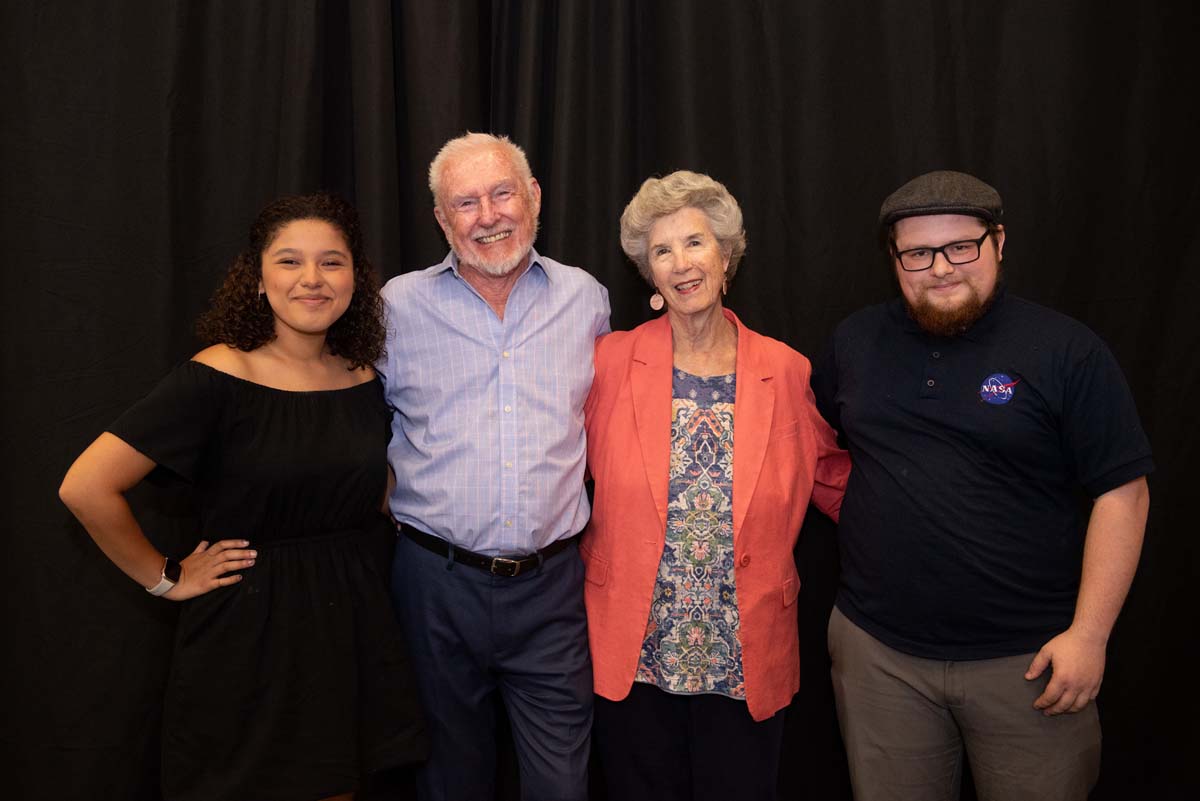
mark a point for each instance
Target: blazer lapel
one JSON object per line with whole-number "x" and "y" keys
{"x": 650, "y": 384}
{"x": 753, "y": 409}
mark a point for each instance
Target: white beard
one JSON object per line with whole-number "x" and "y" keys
{"x": 499, "y": 269}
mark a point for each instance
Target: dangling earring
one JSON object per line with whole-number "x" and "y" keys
{"x": 725, "y": 287}
{"x": 657, "y": 302}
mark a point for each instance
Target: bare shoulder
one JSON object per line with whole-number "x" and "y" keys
{"x": 362, "y": 375}
{"x": 227, "y": 359}
{"x": 338, "y": 373}
{"x": 261, "y": 367}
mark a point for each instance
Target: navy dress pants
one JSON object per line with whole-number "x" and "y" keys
{"x": 472, "y": 634}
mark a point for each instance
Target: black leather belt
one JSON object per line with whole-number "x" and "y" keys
{"x": 496, "y": 565}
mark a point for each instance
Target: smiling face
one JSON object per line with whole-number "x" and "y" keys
{"x": 948, "y": 298}
{"x": 488, "y": 213}
{"x": 687, "y": 263}
{"x": 307, "y": 277}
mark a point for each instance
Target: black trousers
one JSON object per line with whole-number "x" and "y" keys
{"x": 663, "y": 747}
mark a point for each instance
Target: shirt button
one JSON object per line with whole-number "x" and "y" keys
{"x": 507, "y": 408}
{"x": 508, "y": 464}
{"x": 928, "y": 383}
{"x": 937, "y": 354}
{"x": 508, "y": 524}
{"x": 745, "y": 560}
{"x": 505, "y": 354}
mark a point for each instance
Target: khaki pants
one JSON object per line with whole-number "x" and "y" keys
{"x": 905, "y": 722}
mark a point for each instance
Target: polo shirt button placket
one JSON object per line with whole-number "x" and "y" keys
{"x": 931, "y": 388}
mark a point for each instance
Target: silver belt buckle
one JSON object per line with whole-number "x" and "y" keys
{"x": 504, "y": 560}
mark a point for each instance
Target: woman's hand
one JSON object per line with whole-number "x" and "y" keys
{"x": 206, "y": 567}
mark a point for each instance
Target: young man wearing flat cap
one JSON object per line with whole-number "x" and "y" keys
{"x": 976, "y": 598}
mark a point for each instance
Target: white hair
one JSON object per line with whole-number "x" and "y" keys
{"x": 660, "y": 197}
{"x": 470, "y": 143}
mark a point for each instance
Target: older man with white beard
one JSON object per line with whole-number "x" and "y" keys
{"x": 489, "y": 361}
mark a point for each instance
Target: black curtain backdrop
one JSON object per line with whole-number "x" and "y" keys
{"x": 137, "y": 140}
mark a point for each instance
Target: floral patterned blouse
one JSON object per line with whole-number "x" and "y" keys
{"x": 691, "y": 643}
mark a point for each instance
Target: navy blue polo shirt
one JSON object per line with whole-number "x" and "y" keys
{"x": 962, "y": 530}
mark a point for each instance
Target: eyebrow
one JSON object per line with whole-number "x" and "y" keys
{"x": 469, "y": 195}
{"x": 685, "y": 236}
{"x": 944, "y": 244}
{"x": 330, "y": 252}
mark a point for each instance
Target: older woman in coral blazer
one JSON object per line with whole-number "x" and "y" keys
{"x": 706, "y": 448}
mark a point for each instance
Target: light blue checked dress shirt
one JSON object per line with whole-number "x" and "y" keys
{"x": 488, "y": 443}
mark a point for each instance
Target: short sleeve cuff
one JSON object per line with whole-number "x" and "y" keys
{"x": 1120, "y": 476}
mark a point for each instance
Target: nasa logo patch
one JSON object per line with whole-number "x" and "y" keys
{"x": 997, "y": 389}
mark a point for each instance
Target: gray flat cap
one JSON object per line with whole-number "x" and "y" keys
{"x": 942, "y": 192}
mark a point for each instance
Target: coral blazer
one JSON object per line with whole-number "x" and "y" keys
{"x": 784, "y": 453}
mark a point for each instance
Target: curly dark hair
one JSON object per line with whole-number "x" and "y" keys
{"x": 241, "y": 318}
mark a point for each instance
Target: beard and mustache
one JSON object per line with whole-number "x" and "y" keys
{"x": 523, "y": 236}
{"x": 958, "y": 320}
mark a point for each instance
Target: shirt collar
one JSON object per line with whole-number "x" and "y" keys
{"x": 535, "y": 260}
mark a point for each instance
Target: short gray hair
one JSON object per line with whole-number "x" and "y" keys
{"x": 470, "y": 143}
{"x": 660, "y": 197}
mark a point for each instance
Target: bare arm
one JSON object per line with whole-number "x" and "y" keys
{"x": 1110, "y": 556}
{"x": 93, "y": 490}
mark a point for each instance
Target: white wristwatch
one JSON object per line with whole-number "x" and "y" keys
{"x": 170, "y": 577}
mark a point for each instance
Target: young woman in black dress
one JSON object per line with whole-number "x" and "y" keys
{"x": 289, "y": 679}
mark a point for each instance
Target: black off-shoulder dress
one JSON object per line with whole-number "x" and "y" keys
{"x": 294, "y": 682}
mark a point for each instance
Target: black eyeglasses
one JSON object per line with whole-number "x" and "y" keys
{"x": 914, "y": 260}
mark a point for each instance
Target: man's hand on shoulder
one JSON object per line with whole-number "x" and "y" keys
{"x": 1076, "y": 662}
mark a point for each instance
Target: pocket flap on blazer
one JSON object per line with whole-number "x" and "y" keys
{"x": 791, "y": 589}
{"x": 595, "y": 567}
{"x": 789, "y": 429}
